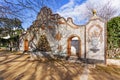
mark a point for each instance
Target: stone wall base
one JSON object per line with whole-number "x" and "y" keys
{"x": 95, "y": 61}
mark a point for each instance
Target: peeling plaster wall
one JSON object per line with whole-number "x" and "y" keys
{"x": 68, "y": 30}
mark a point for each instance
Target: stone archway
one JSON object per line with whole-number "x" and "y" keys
{"x": 26, "y": 45}
{"x": 70, "y": 46}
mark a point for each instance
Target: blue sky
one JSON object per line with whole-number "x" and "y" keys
{"x": 55, "y": 7}
{"x": 76, "y": 9}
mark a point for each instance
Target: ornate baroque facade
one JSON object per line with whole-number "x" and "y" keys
{"x": 66, "y": 38}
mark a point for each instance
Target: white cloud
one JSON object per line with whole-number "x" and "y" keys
{"x": 69, "y": 4}
{"x": 72, "y": 9}
{"x": 79, "y": 11}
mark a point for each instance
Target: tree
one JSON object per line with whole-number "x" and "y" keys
{"x": 104, "y": 10}
{"x": 19, "y": 8}
{"x": 11, "y": 28}
{"x": 113, "y": 28}
{"x": 8, "y": 25}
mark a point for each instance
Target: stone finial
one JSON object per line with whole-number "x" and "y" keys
{"x": 94, "y": 12}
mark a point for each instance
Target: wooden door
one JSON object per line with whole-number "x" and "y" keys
{"x": 69, "y": 47}
{"x": 26, "y": 45}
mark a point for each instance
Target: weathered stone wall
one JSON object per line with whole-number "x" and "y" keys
{"x": 68, "y": 30}
{"x": 33, "y": 38}
{"x": 60, "y": 32}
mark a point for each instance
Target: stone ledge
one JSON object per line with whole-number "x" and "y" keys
{"x": 113, "y": 62}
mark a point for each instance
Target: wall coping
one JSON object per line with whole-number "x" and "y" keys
{"x": 113, "y": 62}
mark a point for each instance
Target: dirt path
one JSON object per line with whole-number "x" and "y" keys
{"x": 18, "y": 67}
{"x": 102, "y": 72}
{"x": 85, "y": 73}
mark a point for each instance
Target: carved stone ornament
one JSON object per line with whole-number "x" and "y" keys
{"x": 94, "y": 43}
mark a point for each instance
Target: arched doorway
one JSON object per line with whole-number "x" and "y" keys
{"x": 74, "y": 46}
{"x": 25, "y": 45}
